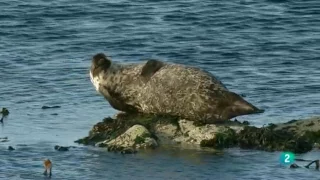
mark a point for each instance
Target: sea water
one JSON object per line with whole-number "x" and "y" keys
{"x": 268, "y": 51}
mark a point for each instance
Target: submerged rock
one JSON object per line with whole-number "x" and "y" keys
{"x": 50, "y": 107}
{"x": 61, "y": 148}
{"x": 128, "y": 151}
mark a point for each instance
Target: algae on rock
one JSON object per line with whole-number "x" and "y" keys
{"x": 269, "y": 139}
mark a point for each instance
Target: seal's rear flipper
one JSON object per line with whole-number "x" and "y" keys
{"x": 242, "y": 107}
{"x": 151, "y": 67}
{"x": 237, "y": 106}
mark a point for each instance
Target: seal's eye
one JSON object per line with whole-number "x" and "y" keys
{"x": 101, "y": 61}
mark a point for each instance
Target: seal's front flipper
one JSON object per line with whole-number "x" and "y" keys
{"x": 151, "y": 67}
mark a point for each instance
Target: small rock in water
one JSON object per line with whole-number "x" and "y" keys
{"x": 50, "y": 107}
{"x": 4, "y": 112}
{"x": 128, "y": 151}
{"x": 10, "y": 148}
{"x": 61, "y": 148}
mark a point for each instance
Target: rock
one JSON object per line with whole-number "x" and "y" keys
{"x": 10, "y": 148}
{"x": 225, "y": 139}
{"x": 167, "y": 133}
{"x": 196, "y": 134}
{"x": 128, "y": 151}
{"x": 106, "y": 130}
{"x": 135, "y": 137}
{"x": 50, "y": 107}
{"x": 111, "y": 128}
{"x": 61, "y": 148}
{"x": 301, "y": 126}
{"x": 270, "y": 139}
{"x": 128, "y": 132}
{"x": 294, "y": 166}
{"x": 189, "y": 133}
{"x": 4, "y": 112}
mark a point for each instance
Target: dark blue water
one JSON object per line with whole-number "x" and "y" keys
{"x": 268, "y": 50}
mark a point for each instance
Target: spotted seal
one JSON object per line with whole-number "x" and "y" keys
{"x": 162, "y": 88}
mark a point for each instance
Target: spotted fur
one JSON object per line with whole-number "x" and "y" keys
{"x": 156, "y": 87}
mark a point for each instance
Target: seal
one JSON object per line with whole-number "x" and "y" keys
{"x": 162, "y": 88}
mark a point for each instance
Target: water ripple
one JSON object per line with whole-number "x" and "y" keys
{"x": 267, "y": 50}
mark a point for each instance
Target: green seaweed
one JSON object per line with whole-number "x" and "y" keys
{"x": 141, "y": 139}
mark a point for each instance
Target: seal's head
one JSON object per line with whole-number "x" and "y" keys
{"x": 100, "y": 62}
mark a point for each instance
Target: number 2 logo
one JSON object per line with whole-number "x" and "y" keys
{"x": 287, "y": 158}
